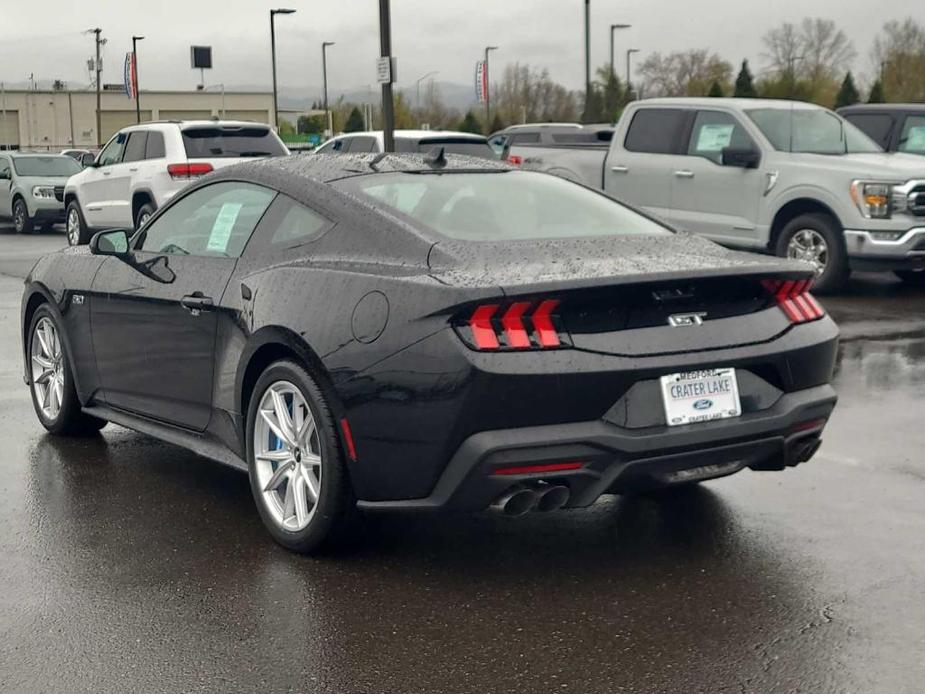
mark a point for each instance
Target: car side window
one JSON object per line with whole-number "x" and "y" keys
{"x": 287, "y": 224}
{"x": 525, "y": 139}
{"x": 112, "y": 153}
{"x": 655, "y": 130}
{"x": 135, "y": 148}
{"x": 217, "y": 221}
{"x": 713, "y": 132}
{"x": 5, "y": 171}
{"x": 154, "y": 147}
{"x": 912, "y": 137}
{"x": 361, "y": 144}
{"x": 328, "y": 147}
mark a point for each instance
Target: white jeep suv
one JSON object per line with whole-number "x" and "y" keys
{"x": 145, "y": 165}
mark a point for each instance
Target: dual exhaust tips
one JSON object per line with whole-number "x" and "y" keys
{"x": 540, "y": 496}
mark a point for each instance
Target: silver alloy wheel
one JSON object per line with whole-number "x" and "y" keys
{"x": 47, "y": 368}
{"x": 19, "y": 217}
{"x": 143, "y": 219}
{"x": 287, "y": 456}
{"x": 73, "y": 227}
{"x": 809, "y": 245}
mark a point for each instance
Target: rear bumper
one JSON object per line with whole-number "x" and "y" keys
{"x": 867, "y": 252}
{"x": 615, "y": 457}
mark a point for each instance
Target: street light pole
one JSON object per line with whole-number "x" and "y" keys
{"x": 273, "y": 14}
{"x": 587, "y": 52}
{"x": 488, "y": 50}
{"x": 613, "y": 29}
{"x": 329, "y": 122}
{"x": 388, "y": 107}
{"x": 99, "y": 69}
{"x": 135, "y": 40}
{"x": 417, "y": 98}
{"x": 629, "y": 54}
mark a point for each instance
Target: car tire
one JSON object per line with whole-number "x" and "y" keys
{"x": 315, "y": 460}
{"x": 144, "y": 213}
{"x": 913, "y": 278}
{"x": 818, "y": 239}
{"x": 76, "y": 228}
{"x": 22, "y": 223}
{"x": 55, "y": 398}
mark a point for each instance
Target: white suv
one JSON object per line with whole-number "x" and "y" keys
{"x": 143, "y": 166}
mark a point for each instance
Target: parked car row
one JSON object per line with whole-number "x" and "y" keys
{"x": 782, "y": 177}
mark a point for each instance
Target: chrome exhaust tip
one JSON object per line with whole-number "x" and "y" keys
{"x": 515, "y": 502}
{"x": 552, "y": 497}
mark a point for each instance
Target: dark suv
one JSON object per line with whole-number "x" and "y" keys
{"x": 895, "y": 127}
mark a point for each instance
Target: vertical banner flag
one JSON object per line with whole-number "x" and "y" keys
{"x": 129, "y": 78}
{"x": 481, "y": 81}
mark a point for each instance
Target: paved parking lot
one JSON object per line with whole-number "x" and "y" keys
{"x": 132, "y": 565}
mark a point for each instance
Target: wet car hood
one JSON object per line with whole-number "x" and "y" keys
{"x": 524, "y": 265}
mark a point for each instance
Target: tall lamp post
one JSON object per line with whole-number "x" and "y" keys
{"x": 613, "y": 30}
{"x": 273, "y": 14}
{"x": 329, "y": 122}
{"x": 135, "y": 40}
{"x": 417, "y": 97}
{"x": 488, "y": 49}
{"x": 587, "y": 52}
{"x": 629, "y": 55}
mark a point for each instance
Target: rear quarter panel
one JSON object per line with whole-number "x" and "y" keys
{"x": 584, "y": 165}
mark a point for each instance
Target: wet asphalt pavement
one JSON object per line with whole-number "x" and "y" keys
{"x": 128, "y": 565}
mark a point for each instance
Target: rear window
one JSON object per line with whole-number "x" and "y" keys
{"x": 877, "y": 126}
{"x": 58, "y": 165}
{"x": 655, "y": 130}
{"x": 502, "y": 206}
{"x": 451, "y": 145}
{"x": 912, "y": 138}
{"x": 215, "y": 142}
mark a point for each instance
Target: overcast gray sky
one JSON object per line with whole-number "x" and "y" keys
{"x": 44, "y": 37}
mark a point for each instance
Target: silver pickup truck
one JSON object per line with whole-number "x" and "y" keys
{"x": 779, "y": 176}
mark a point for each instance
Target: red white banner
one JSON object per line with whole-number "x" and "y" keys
{"x": 130, "y": 76}
{"x": 481, "y": 81}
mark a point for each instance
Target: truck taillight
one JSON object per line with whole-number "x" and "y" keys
{"x": 522, "y": 325}
{"x": 515, "y": 160}
{"x": 794, "y": 299}
{"x": 181, "y": 172}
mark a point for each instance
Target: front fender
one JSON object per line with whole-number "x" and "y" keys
{"x": 806, "y": 191}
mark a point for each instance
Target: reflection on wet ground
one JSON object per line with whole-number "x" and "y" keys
{"x": 131, "y": 565}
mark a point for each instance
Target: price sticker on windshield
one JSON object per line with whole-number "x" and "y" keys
{"x": 223, "y": 226}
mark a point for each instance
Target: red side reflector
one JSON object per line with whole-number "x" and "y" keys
{"x": 542, "y": 322}
{"x": 806, "y": 426}
{"x": 513, "y": 325}
{"x": 515, "y": 160}
{"x": 482, "y": 331}
{"x": 538, "y": 468}
{"x": 348, "y": 439}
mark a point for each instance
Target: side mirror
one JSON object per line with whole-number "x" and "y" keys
{"x": 113, "y": 242}
{"x": 87, "y": 160}
{"x": 742, "y": 158}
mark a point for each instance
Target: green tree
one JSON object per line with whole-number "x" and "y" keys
{"x": 470, "y": 124}
{"x": 613, "y": 96}
{"x": 745, "y": 86}
{"x": 354, "y": 122}
{"x": 310, "y": 125}
{"x": 496, "y": 124}
{"x": 285, "y": 127}
{"x": 715, "y": 90}
{"x": 593, "y": 111}
{"x": 876, "y": 94}
{"x": 848, "y": 94}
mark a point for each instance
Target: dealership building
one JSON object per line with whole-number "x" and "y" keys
{"x": 55, "y": 120}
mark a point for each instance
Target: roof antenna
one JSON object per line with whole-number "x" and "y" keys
{"x": 374, "y": 164}
{"x": 436, "y": 158}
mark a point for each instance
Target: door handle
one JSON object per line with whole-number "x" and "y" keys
{"x": 134, "y": 170}
{"x": 684, "y": 174}
{"x": 619, "y": 168}
{"x": 197, "y": 303}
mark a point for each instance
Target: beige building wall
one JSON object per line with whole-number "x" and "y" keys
{"x": 47, "y": 120}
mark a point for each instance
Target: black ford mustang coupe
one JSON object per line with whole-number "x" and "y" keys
{"x": 406, "y": 332}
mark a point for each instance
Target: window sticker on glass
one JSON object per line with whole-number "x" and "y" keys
{"x": 714, "y": 138}
{"x": 915, "y": 140}
{"x": 223, "y": 226}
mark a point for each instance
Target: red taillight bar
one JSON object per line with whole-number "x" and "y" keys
{"x": 537, "y": 468}
{"x": 523, "y": 325}
{"x": 188, "y": 170}
{"x": 515, "y": 160}
{"x": 794, "y": 299}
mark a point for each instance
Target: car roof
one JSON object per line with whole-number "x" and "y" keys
{"x": 901, "y": 108}
{"x": 419, "y": 134}
{"x": 737, "y": 103}
{"x": 19, "y": 154}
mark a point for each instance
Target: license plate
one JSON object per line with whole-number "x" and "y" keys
{"x": 700, "y": 396}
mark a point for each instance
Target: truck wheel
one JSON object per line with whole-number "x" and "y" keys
{"x": 21, "y": 221}
{"x": 816, "y": 238}
{"x": 77, "y": 232}
{"x": 913, "y": 278}
{"x": 144, "y": 214}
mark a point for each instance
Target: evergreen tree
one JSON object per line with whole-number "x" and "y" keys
{"x": 594, "y": 106}
{"x": 470, "y": 124}
{"x": 745, "y": 86}
{"x": 355, "y": 122}
{"x": 876, "y": 94}
{"x": 848, "y": 94}
{"x": 715, "y": 90}
{"x": 496, "y": 124}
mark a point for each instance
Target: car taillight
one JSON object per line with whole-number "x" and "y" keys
{"x": 515, "y": 160}
{"x": 521, "y": 325}
{"x": 794, "y": 299}
{"x": 184, "y": 171}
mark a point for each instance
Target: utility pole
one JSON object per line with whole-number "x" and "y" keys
{"x": 629, "y": 55}
{"x": 135, "y": 40}
{"x": 98, "y": 67}
{"x": 388, "y": 107}
{"x": 273, "y": 14}
{"x": 613, "y": 29}
{"x": 587, "y": 52}
{"x": 488, "y": 49}
{"x": 328, "y": 121}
